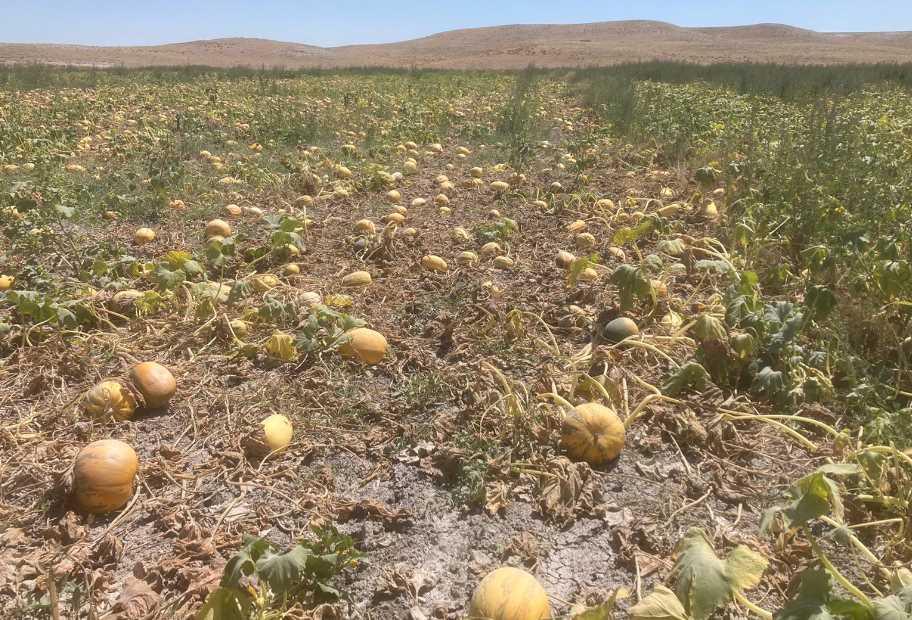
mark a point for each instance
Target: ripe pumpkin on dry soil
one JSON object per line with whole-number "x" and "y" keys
{"x": 365, "y": 344}
{"x": 593, "y": 433}
{"x": 272, "y": 434}
{"x": 109, "y": 398}
{"x": 103, "y": 476}
{"x": 509, "y": 594}
{"x": 154, "y": 382}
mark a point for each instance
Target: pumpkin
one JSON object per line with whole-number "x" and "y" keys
{"x": 588, "y": 275}
{"x": 219, "y": 228}
{"x": 273, "y": 433}
{"x": 619, "y": 329}
{"x": 503, "y": 262}
{"x": 564, "y": 259}
{"x": 154, "y": 382}
{"x": 291, "y": 269}
{"x": 441, "y": 200}
{"x": 124, "y": 300}
{"x": 262, "y": 282}
{"x": 419, "y": 202}
{"x": 509, "y": 594}
{"x": 500, "y": 186}
{"x": 233, "y": 210}
{"x": 103, "y": 476}
{"x": 109, "y": 398}
{"x": 577, "y": 226}
{"x": 357, "y": 278}
{"x": 476, "y": 172}
{"x": 6, "y": 282}
{"x": 394, "y": 217}
{"x": 491, "y": 248}
{"x": 365, "y": 227}
{"x": 365, "y": 344}
{"x": 393, "y": 197}
{"x": 434, "y": 263}
{"x": 143, "y": 236}
{"x": 468, "y": 258}
{"x": 593, "y": 433}
{"x": 585, "y": 240}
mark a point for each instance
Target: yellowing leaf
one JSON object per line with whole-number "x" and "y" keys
{"x": 282, "y": 346}
{"x": 703, "y": 582}
{"x": 661, "y": 604}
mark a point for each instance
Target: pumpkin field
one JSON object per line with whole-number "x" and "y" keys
{"x": 616, "y": 343}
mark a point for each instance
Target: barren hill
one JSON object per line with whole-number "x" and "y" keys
{"x": 507, "y": 47}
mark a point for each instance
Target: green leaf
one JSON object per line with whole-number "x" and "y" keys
{"x": 814, "y": 496}
{"x": 703, "y": 581}
{"x": 672, "y": 247}
{"x": 244, "y": 562}
{"x": 283, "y": 570}
{"x": 660, "y": 604}
{"x": 632, "y": 283}
{"x": 814, "y": 601}
{"x": 226, "y": 604}
{"x": 627, "y": 235}
{"x": 820, "y": 301}
{"x": 690, "y": 376}
{"x": 167, "y": 279}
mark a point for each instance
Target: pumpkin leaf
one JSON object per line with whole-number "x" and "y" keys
{"x": 660, "y": 604}
{"x": 690, "y": 376}
{"x": 813, "y": 496}
{"x": 226, "y": 604}
{"x": 606, "y": 610}
{"x": 282, "y": 346}
{"x": 703, "y": 581}
{"x": 283, "y": 570}
{"x": 814, "y": 601}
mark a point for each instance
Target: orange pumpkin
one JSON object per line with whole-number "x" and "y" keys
{"x": 365, "y": 344}
{"x": 104, "y": 475}
{"x": 154, "y": 382}
{"x": 593, "y": 433}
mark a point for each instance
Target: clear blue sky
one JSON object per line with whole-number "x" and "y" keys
{"x": 338, "y": 22}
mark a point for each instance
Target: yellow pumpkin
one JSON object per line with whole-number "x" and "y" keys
{"x": 564, "y": 259}
{"x": 6, "y": 282}
{"x": 503, "y": 262}
{"x": 393, "y": 197}
{"x": 357, "y": 278}
{"x": 500, "y": 186}
{"x": 274, "y": 433}
{"x": 434, "y": 263}
{"x": 143, "y": 236}
{"x": 109, "y": 398}
{"x": 491, "y": 248}
{"x": 365, "y": 227}
{"x": 219, "y": 228}
{"x": 262, "y": 282}
{"x": 468, "y": 258}
{"x": 509, "y": 594}
{"x": 365, "y": 344}
{"x": 154, "y": 382}
{"x": 103, "y": 476}
{"x": 593, "y": 433}
{"x": 291, "y": 269}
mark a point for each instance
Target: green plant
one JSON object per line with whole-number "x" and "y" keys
{"x": 260, "y": 581}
